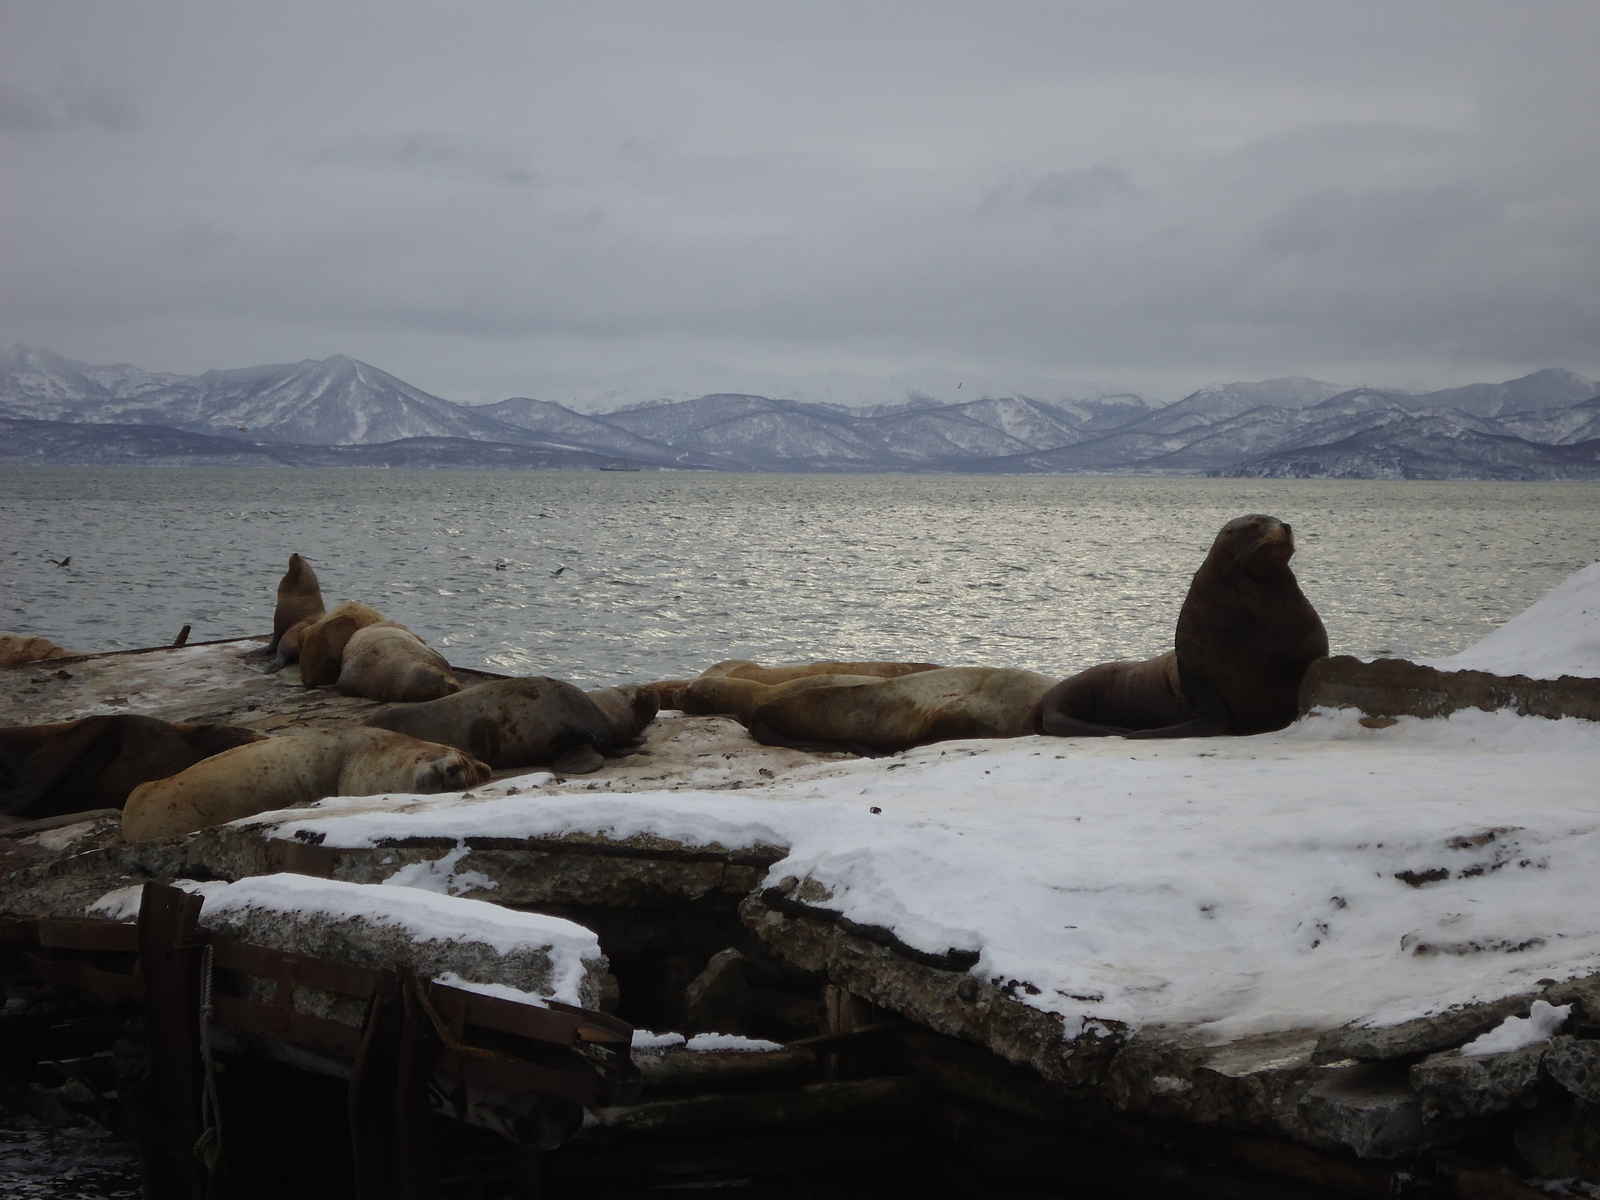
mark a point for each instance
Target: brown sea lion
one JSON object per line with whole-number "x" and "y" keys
{"x": 388, "y": 662}
{"x": 732, "y": 696}
{"x": 294, "y": 769}
{"x": 322, "y": 643}
{"x": 532, "y": 722}
{"x": 888, "y": 715}
{"x": 744, "y": 668}
{"x": 25, "y": 648}
{"x": 299, "y": 597}
{"x": 1246, "y": 634}
{"x": 74, "y": 766}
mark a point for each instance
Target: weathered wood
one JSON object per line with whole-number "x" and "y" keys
{"x": 680, "y": 1070}
{"x": 854, "y": 1103}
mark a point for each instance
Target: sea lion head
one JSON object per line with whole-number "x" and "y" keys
{"x": 1256, "y": 545}
{"x": 450, "y": 771}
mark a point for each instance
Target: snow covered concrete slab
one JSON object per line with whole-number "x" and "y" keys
{"x": 466, "y": 943}
{"x": 1329, "y": 874}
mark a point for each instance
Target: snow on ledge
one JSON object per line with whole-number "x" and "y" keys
{"x": 1557, "y": 635}
{"x": 1302, "y": 880}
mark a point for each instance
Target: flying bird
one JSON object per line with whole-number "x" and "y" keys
{"x": 61, "y": 563}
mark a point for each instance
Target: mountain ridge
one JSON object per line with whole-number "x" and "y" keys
{"x": 347, "y": 408}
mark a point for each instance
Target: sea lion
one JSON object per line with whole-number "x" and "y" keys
{"x": 289, "y": 643}
{"x": 74, "y": 766}
{"x": 532, "y": 722}
{"x": 388, "y": 662}
{"x": 23, "y": 648}
{"x": 1246, "y": 634}
{"x": 744, "y": 668}
{"x": 888, "y": 715}
{"x": 322, "y": 643}
{"x": 294, "y": 769}
{"x": 732, "y": 696}
{"x": 299, "y": 597}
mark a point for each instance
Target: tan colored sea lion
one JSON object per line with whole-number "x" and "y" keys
{"x": 533, "y": 722}
{"x": 74, "y": 766}
{"x": 1245, "y": 636}
{"x": 388, "y": 662}
{"x": 294, "y": 769}
{"x": 299, "y": 597}
{"x": 889, "y": 715}
{"x": 744, "y": 668}
{"x": 24, "y": 648}
{"x": 733, "y": 696}
{"x": 322, "y": 643}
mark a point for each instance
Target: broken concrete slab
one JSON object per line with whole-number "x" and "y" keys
{"x": 1481, "y": 1085}
{"x": 1394, "y": 687}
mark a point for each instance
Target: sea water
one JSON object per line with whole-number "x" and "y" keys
{"x": 608, "y": 577}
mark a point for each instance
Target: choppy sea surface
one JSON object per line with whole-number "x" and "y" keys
{"x": 607, "y": 577}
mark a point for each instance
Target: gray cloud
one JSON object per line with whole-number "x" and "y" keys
{"x": 425, "y": 154}
{"x": 69, "y": 103}
{"x": 1149, "y": 191}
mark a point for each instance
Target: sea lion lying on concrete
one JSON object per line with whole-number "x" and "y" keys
{"x": 294, "y": 769}
{"x": 74, "y": 766}
{"x": 533, "y": 722}
{"x": 388, "y": 662}
{"x": 1246, "y": 634}
{"x": 731, "y": 696}
{"x": 670, "y": 691}
{"x": 888, "y": 715}
{"x": 744, "y": 668}
{"x": 322, "y": 643}
{"x": 24, "y": 648}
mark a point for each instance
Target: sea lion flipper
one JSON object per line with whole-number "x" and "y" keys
{"x": 582, "y": 759}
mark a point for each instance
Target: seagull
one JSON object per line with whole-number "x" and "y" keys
{"x": 500, "y": 565}
{"x": 62, "y": 563}
{"x": 557, "y": 572}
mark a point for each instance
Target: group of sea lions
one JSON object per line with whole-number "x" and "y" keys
{"x": 1245, "y": 636}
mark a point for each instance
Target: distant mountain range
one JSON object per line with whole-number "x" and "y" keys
{"x": 343, "y": 412}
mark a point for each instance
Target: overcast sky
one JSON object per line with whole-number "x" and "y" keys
{"x": 492, "y": 199}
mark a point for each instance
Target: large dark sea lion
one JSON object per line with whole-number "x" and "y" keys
{"x": 533, "y": 722}
{"x": 884, "y": 716}
{"x": 322, "y": 643}
{"x": 1246, "y": 634}
{"x": 74, "y": 766}
{"x": 388, "y": 662}
{"x": 294, "y": 769}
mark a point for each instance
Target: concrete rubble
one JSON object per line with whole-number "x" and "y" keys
{"x": 697, "y": 938}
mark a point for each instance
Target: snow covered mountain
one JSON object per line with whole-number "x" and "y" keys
{"x": 1542, "y": 425}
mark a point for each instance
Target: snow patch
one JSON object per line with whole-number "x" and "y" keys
{"x": 1543, "y": 1022}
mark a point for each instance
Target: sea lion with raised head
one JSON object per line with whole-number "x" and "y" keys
{"x": 299, "y": 597}
{"x": 885, "y": 716}
{"x": 388, "y": 662}
{"x": 532, "y": 722}
{"x": 1246, "y": 634}
{"x": 322, "y": 643}
{"x": 74, "y": 766}
{"x": 294, "y": 769}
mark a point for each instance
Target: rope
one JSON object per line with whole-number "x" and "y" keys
{"x": 209, "y": 1147}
